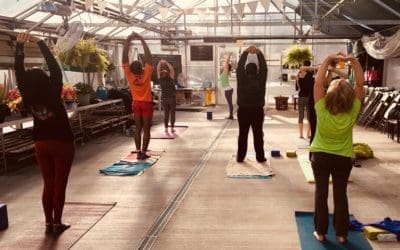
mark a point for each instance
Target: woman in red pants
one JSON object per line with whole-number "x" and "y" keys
{"x": 54, "y": 141}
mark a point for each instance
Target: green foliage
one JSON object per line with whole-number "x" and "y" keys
{"x": 362, "y": 151}
{"x": 296, "y": 55}
{"x": 83, "y": 88}
{"x": 86, "y": 56}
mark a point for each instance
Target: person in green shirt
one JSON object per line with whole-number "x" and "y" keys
{"x": 332, "y": 146}
{"x": 224, "y": 79}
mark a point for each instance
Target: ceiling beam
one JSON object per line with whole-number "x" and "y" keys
{"x": 115, "y": 15}
{"x": 387, "y": 7}
{"x": 287, "y": 18}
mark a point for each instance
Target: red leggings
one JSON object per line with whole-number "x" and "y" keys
{"x": 55, "y": 159}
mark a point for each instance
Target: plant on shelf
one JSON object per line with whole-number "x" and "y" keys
{"x": 87, "y": 57}
{"x": 296, "y": 55}
{"x": 83, "y": 88}
{"x": 68, "y": 93}
{"x": 83, "y": 93}
{"x": 14, "y": 101}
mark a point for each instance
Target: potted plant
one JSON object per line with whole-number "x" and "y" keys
{"x": 296, "y": 55}
{"x": 83, "y": 92}
{"x": 87, "y": 57}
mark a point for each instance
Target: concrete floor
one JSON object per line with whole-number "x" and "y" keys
{"x": 216, "y": 212}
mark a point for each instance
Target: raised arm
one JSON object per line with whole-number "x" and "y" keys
{"x": 147, "y": 53}
{"x": 159, "y": 69}
{"x": 125, "y": 51}
{"x": 240, "y": 68}
{"x": 359, "y": 75}
{"x": 319, "y": 90}
{"x": 262, "y": 72}
{"x": 54, "y": 68}
{"x": 19, "y": 61}
{"x": 171, "y": 70}
{"x": 226, "y": 65}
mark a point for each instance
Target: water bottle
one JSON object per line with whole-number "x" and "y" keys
{"x": 387, "y": 237}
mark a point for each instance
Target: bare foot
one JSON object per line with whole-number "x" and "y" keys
{"x": 341, "y": 239}
{"x": 320, "y": 238}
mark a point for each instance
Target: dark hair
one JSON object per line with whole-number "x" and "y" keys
{"x": 37, "y": 89}
{"x": 136, "y": 67}
{"x": 251, "y": 69}
{"x": 229, "y": 67}
{"x": 307, "y": 63}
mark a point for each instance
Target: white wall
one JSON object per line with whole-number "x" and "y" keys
{"x": 392, "y": 72}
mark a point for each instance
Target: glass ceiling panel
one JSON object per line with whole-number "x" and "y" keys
{"x": 12, "y": 8}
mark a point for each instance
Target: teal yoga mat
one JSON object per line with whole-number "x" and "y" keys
{"x": 130, "y": 165}
{"x": 305, "y": 226}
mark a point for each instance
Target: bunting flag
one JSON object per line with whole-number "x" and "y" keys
{"x": 240, "y": 9}
{"x": 265, "y": 4}
{"x": 201, "y": 11}
{"x": 279, "y": 4}
{"x": 88, "y": 4}
{"x": 252, "y": 6}
{"x": 227, "y": 10}
{"x": 102, "y": 6}
{"x": 163, "y": 12}
{"x": 188, "y": 11}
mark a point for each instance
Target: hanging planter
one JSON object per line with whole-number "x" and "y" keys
{"x": 296, "y": 55}
{"x": 87, "y": 57}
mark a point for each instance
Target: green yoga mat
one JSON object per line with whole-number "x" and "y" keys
{"x": 305, "y": 165}
{"x": 305, "y": 226}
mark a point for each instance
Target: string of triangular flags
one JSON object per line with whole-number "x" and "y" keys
{"x": 228, "y": 10}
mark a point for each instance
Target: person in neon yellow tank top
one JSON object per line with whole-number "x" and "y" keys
{"x": 332, "y": 146}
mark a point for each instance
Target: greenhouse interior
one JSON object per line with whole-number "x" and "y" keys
{"x": 125, "y": 124}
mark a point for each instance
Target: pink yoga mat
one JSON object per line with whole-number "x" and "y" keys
{"x": 160, "y": 133}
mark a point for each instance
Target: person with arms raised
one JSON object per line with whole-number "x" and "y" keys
{"x": 52, "y": 134}
{"x": 332, "y": 147}
{"x": 139, "y": 78}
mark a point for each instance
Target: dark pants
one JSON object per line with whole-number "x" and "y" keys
{"x": 228, "y": 96}
{"x": 324, "y": 165}
{"x": 55, "y": 159}
{"x": 169, "y": 106}
{"x": 254, "y": 117}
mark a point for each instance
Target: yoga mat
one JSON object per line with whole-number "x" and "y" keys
{"x": 132, "y": 157}
{"x": 82, "y": 216}
{"x": 160, "y": 133}
{"x": 248, "y": 169}
{"x": 305, "y": 165}
{"x": 302, "y": 143}
{"x": 130, "y": 165}
{"x": 305, "y": 226}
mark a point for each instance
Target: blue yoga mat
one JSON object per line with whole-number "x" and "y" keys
{"x": 125, "y": 168}
{"x": 305, "y": 226}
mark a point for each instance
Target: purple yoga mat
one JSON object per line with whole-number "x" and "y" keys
{"x": 159, "y": 133}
